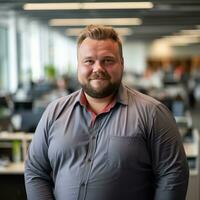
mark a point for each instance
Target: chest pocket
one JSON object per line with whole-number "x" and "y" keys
{"x": 128, "y": 153}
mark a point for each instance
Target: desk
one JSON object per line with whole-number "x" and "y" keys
{"x": 25, "y": 138}
{"x": 12, "y": 175}
{"x": 13, "y": 168}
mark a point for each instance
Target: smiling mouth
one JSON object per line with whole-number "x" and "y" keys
{"x": 97, "y": 79}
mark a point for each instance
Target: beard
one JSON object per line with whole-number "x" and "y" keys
{"x": 104, "y": 91}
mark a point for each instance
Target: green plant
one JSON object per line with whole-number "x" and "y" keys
{"x": 50, "y": 71}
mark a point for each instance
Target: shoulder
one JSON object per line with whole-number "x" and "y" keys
{"x": 140, "y": 98}
{"x": 145, "y": 103}
{"x": 56, "y": 107}
{"x": 66, "y": 99}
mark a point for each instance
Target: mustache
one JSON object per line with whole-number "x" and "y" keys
{"x": 99, "y": 75}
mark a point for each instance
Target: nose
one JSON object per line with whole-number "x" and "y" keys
{"x": 98, "y": 66}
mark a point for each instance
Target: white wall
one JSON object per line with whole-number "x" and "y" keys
{"x": 157, "y": 49}
{"x": 135, "y": 54}
{"x": 187, "y": 51}
{"x": 163, "y": 49}
{"x": 64, "y": 51}
{"x": 72, "y": 54}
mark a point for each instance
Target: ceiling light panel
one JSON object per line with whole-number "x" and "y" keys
{"x": 118, "y": 5}
{"x": 91, "y": 5}
{"x": 120, "y": 31}
{"x": 104, "y": 21}
{"x": 52, "y": 6}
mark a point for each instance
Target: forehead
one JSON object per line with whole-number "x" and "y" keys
{"x": 92, "y": 45}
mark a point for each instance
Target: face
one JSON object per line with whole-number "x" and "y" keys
{"x": 100, "y": 67}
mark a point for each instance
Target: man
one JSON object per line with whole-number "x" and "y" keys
{"x": 105, "y": 141}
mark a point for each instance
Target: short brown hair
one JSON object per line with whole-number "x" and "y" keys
{"x": 100, "y": 32}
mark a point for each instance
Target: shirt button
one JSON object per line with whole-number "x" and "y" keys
{"x": 93, "y": 137}
{"x": 89, "y": 160}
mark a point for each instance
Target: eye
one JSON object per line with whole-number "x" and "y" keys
{"x": 109, "y": 61}
{"x": 88, "y": 62}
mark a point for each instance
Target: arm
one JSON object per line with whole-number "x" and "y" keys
{"x": 168, "y": 157}
{"x": 37, "y": 166}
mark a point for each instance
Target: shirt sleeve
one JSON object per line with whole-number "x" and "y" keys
{"x": 37, "y": 167}
{"x": 168, "y": 157}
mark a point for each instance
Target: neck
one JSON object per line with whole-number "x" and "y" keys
{"x": 98, "y": 104}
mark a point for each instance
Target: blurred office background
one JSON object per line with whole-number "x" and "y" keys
{"x": 161, "y": 44}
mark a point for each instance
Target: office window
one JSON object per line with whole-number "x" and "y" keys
{"x": 3, "y": 58}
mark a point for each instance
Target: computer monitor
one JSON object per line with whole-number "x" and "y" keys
{"x": 178, "y": 108}
{"x": 22, "y": 105}
{"x": 3, "y": 102}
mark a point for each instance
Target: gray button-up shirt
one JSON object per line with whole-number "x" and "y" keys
{"x": 132, "y": 152}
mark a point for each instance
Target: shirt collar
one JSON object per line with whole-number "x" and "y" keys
{"x": 84, "y": 102}
{"x": 122, "y": 95}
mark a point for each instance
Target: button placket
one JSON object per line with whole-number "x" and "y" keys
{"x": 88, "y": 164}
